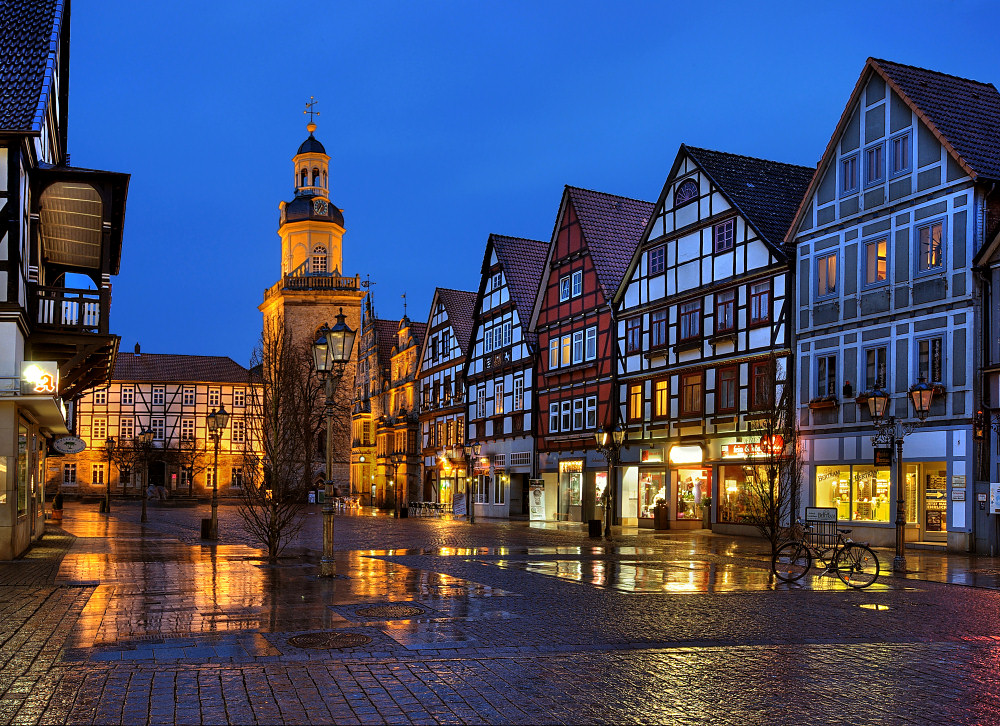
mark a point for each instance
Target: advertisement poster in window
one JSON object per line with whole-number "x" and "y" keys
{"x": 536, "y": 500}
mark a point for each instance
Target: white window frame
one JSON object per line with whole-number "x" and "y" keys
{"x": 126, "y": 431}
{"x": 590, "y": 343}
{"x": 577, "y": 346}
{"x": 239, "y": 398}
{"x": 189, "y": 396}
{"x": 577, "y": 283}
{"x": 590, "y": 406}
{"x": 518, "y": 403}
{"x": 823, "y": 387}
{"x": 848, "y": 183}
{"x": 821, "y": 260}
{"x": 97, "y": 474}
{"x": 901, "y": 140}
{"x": 865, "y": 245}
{"x": 158, "y": 396}
{"x": 214, "y": 397}
{"x": 554, "y": 352}
{"x": 917, "y": 228}
{"x": 578, "y": 414}
{"x": 69, "y": 474}
{"x": 566, "y": 415}
{"x": 553, "y": 418}
{"x": 874, "y": 177}
{"x": 481, "y": 402}
{"x": 564, "y": 288}
{"x": 101, "y": 398}
{"x": 187, "y": 429}
{"x": 158, "y": 426}
{"x": 99, "y": 431}
{"x": 128, "y": 396}
{"x": 498, "y": 406}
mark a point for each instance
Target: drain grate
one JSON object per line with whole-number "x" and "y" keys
{"x": 329, "y": 640}
{"x": 388, "y": 612}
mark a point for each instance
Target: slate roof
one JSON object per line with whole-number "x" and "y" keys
{"x": 178, "y": 368}
{"x": 29, "y": 36}
{"x": 965, "y": 112}
{"x": 767, "y": 193}
{"x": 523, "y": 261}
{"x": 461, "y": 307}
{"x": 612, "y": 227}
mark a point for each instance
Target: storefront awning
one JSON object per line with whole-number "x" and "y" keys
{"x": 47, "y": 411}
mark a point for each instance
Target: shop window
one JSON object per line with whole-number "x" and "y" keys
{"x": 658, "y": 328}
{"x": 733, "y": 503}
{"x": 859, "y": 493}
{"x": 652, "y": 489}
{"x": 691, "y": 393}
{"x": 633, "y": 335}
{"x": 726, "y": 388}
{"x": 725, "y": 311}
{"x": 930, "y": 359}
{"x": 692, "y": 485}
{"x": 635, "y": 402}
{"x": 661, "y": 398}
{"x": 760, "y": 302}
{"x": 23, "y": 469}
{"x": 499, "y": 489}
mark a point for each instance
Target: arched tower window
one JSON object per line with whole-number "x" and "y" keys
{"x": 687, "y": 191}
{"x": 315, "y": 177}
{"x": 305, "y": 177}
{"x": 319, "y": 259}
{"x": 324, "y": 181}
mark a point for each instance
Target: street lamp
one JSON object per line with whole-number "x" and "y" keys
{"x": 609, "y": 443}
{"x": 890, "y": 431}
{"x": 109, "y": 447}
{"x": 218, "y": 420}
{"x": 471, "y": 454}
{"x": 395, "y": 460}
{"x": 144, "y": 440}
{"x": 331, "y": 351}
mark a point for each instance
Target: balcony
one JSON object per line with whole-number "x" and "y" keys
{"x": 302, "y": 279}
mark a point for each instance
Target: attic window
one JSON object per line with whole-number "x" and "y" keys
{"x": 686, "y": 192}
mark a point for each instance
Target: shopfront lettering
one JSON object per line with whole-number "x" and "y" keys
{"x": 767, "y": 446}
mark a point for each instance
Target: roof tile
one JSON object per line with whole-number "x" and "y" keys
{"x": 523, "y": 261}
{"x": 178, "y": 368}
{"x": 29, "y": 32}
{"x": 460, "y": 306}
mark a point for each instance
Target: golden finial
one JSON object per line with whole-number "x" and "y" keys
{"x": 311, "y": 126}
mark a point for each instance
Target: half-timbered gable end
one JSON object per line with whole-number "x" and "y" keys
{"x": 499, "y": 373}
{"x": 886, "y": 241}
{"x": 702, "y": 315}
{"x": 441, "y": 389}
{"x": 592, "y": 244}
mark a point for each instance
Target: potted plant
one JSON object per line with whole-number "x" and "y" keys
{"x": 57, "y": 507}
{"x": 706, "y": 512}
{"x": 661, "y": 514}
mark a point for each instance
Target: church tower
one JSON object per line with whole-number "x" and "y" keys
{"x": 313, "y": 287}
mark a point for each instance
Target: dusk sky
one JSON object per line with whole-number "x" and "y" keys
{"x": 445, "y": 121}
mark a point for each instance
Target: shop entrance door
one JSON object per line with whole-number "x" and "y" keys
{"x": 935, "y": 519}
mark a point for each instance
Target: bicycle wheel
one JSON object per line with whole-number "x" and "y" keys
{"x": 856, "y": 565}
{"x": 791, "y": 561}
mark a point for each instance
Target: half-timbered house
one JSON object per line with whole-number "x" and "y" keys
{"x": 441, "y": 386}
{"x": 886, "y": 239}
{"x": 593, "y": 241}
{"x": 499, "y": 375}
{"x": 704, "y": 332}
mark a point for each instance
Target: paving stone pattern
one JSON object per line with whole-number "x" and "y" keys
{"x": 111, "y": 621}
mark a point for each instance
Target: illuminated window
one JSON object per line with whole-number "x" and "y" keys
{"x": 826, "y": 275}
{"x": 498, "y": 397}
{"x": 930, "y": 359}
{"x": 875, "y": 261}
{"x": 554, "y": 353}
{"x": 519, "y": 393}
{"x": 319, "y": 259}
{"x": 930, "y": 250}
{"x": 567, "y": 349}
{"x": 635, "y": 402}
{"x": 661, "y": 398}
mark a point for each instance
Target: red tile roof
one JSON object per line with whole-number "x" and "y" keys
{"x": 461, "y": 307}
{"x": 612, "y": 227}
{"x": 965, "y": 112}
{"x": 178, "y": 368}
{"x": 385, "y": 336}
{"x": 523, "y": 261}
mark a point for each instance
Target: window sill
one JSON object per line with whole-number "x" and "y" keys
{"x": 688, "y": 345}
{"x": 817, "y": 405}
{"x": 724, "y": 419}
{"x": 728, "y": 336}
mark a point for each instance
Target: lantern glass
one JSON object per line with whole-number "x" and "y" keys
{"x": 476, "y": 448}
{"x": 601, "y": 437}
{"x": 213, "y": 424}
{"x": 222, "y": 418}
{"x": 878, "y": 402}
{"x": 619, "y": 435}
{"x": 321, "y": 350}
{"x": 341, "y": 340}
{"x": 922, "y": 393}
{"x": 109, "y": 444}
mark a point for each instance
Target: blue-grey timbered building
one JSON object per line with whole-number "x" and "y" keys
{"x": 499, "y": 375}
{"x": 887, "y": 294}
{"x": 703, "y": 320}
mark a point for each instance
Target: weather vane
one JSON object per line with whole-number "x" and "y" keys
{"x": 309, "y": 110}
{"x": 367, "y": 281}
{"x": 404, "y": 304}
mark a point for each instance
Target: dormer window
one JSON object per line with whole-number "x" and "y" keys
{"x": 686, "y": 192}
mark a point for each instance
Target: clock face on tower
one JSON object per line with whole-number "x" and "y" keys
{"x": 320, "y": 206}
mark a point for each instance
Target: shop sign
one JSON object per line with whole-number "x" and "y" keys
{"x": 958, "y": 495}
{"x": 958, "y": 481}
{"x": 821, "y": 514}
{"x": 768, "y": 445}
{"x": 686, "y": 455}
{"x": 883, "y": 456}
{"x": 651, "y": 456}
{"x": 536, "y": 500}
{"x": 39, "y": 378}
{"x": 69, "y": 445}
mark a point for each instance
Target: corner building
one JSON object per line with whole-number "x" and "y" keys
{"x": 593, "y": 242}
{"x": 704, "y": 313}
{"x": 886, "y": 239}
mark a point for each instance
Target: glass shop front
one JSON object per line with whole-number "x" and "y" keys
{"x": 680, "y": 486}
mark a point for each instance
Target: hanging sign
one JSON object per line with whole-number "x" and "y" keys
{"x": 69, "y": 445}
{"x": 39, "y": 378}
{"x": 883, "y": 456}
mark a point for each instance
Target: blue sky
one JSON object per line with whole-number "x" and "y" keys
{"x": 445, "y": 121}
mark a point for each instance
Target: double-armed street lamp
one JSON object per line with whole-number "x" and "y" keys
{"x": 609, "y": 443}
{"x": 218, "y": 420}
{"x": 109, "y": 447}
{"x": 331, "y": 352}
{"x": 890, "y": 432}
{"x": 396, "y": 460}
{"x": 143, "y": 442}
{"x": 471, "y": 454}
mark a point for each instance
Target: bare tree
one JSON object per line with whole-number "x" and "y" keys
{"x": 281, "y": 427}
{"x": 773, "y": 472}
{"x": 191, "y": 456}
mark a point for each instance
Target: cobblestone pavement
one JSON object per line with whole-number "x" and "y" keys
{"x": 432, "y": 620}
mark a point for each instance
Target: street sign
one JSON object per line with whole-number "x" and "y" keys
{"x": 883, "y": 456}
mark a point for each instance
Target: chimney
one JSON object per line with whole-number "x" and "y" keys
{"x": 137, "y": 349}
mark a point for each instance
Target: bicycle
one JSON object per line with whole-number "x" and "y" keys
{"x": 853, "y": 562}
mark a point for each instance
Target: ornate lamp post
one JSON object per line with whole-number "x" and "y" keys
{"x": 471, "y": 454}
{"x": 890, "y": 432}
{"x": 144, "y": 441}
{"x": 218, "y": 420}
{"x": 331, "y": 352}
{"x": 609, "y": 443}
{"x": 109, "y": 447}
{"x": 395, "y": 460}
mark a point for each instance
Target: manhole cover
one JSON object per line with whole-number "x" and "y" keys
{"x": 388, "y": 612}
{"x": 329, "y": 640}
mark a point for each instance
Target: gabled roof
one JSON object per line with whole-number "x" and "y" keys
{"x": 964, "y": 116}
{"x": 29, "y": 39}
{"x": 168, "y": 368}
{"x": 765, "y": 192}
{"x": 385, "y": 338}
{"x": 460, "y": 305}
{"x": 612, "y": 227}
{"x": 964, "y": 112}
{"x": 523, "y": 261}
